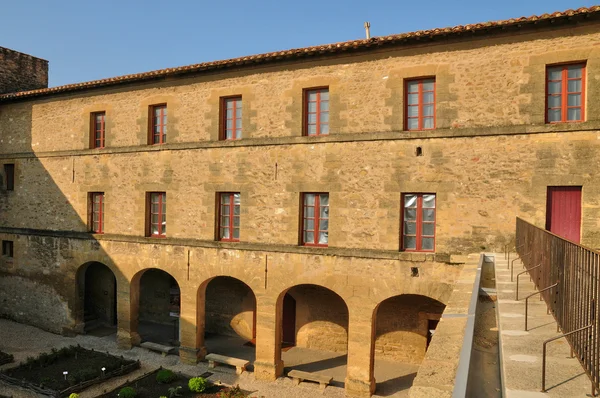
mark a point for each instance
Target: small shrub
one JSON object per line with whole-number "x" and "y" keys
{"x": 127, "y": 392}
{"x": 175, "y": 392}
{"x": 197, "y": 384}
{"x": 74, "y": 395}
{"x": 233, "y": 392}
{"x": 165, "y": 376}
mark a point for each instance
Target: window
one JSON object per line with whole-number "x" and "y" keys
{"x": 231, "y": 125}
{"x": 98, "y": 129}
{"x": 157, "y": 214}
{"x": 7, "y": 248}
{"x": 315, "y": 219}
{"x": 158, "y": 124}
{"x": 418, "y": 221}
{"x": 565, "y": 93}
{"x": 420, "y": 104}
{"x": 229, "y": 217}
{"x": 316, "y": 112}
{"x": 97, "y": 212}
{"x": 9, "y": 174}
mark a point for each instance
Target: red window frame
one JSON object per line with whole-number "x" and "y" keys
{"x": 565, "y": 93}
{"x": 97, "y": 212}
{"x": 229, "y": 213}
{"x": 320, "y": 121}
{"x": 420, "y": 105}
{"x": 231, "y": 122}
{"x": 419, "y": 221}
{"x": 98, "y": 129}
{"x": 317, "y": 219}
{"x": 9, "y": 174}
{"x": 158, "y": 124}
{"x": 157, "y": 214}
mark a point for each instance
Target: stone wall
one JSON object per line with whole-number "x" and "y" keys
{"x": 21, "y": 72}
{"x": 402, "y": 327}
{"x": 230, "y": 308}
{"x": 321, "y": 319}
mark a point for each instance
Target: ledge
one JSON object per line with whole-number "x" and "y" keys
{"x": 463, "y": 132}
{"x": 246, "y": 246}
{"x": 445, "y": 368}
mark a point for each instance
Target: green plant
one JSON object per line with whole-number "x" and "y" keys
{"x": 175, "y": 392}
{"x": 74, "y": 395}
{"x": 197, "y": 384}
{"x": 233, "y": 392}
{"x": 165, "y": 376}
{"x": 127, "y": 392}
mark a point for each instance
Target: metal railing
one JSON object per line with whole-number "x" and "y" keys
{"x": 575, "y": 272}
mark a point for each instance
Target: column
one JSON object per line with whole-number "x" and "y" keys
{"x": 191, "y": 324}
{"x": 360, "y": 381}
{"x": 128, "y": 300}
{"x": 268, "y": 365}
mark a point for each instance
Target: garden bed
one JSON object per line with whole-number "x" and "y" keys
{"x": 45, "y": 374}
{"x": 147, "y": 386}
{"x": 5, "y": 358}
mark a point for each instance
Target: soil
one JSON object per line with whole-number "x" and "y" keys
{"x": 148, "y": 387}
{"x": 82, "y": 365}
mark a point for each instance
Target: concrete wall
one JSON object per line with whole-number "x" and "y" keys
{"x": 21, "y": 72}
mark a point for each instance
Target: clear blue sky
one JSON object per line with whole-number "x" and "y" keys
{"x": 87, "y": 40}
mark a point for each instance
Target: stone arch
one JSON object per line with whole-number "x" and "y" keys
{"x": 321, "y": 323}
{"x": 97, "y": 292}
{"x": 226, "y": 316}
{"x": 402, "y": 327}
{"x": 155, "y": 306}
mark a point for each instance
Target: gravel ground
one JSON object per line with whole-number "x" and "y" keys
{"x": 23, "y": 341}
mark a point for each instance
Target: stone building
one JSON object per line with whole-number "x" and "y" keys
{"x": 323, "y": 196}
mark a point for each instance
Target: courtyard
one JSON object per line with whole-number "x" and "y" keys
{"x": 22, "y": 341}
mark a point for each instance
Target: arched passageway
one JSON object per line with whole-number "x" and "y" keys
{"x": 229, "y": 317}
{"x": 98, "y": 289}
{"x": 404, "y": 326}
{"x": 314, "y": 331}
{"x": 158, "y": 306}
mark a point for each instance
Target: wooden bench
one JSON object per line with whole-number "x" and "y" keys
{"x": 240, "y": 364}
{"x": 163, "y": 349}
{"x": 299, "y": 376}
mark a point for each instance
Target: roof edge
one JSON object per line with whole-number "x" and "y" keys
{"x": 313, "y": 51}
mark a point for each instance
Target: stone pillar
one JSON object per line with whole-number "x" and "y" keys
{"x": 128, "y": 301}
{"x": 268, "y": 365}
{"x": 191, "y": 324}
{"x": 360, "y": 381}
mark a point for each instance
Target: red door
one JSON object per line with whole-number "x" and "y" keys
{"x": 563, "y": 212}
{"x": 289, "y": 320}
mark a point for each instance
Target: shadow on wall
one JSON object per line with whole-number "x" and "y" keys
{"x": 404, "y": 325}
{"x": 60, "y": 277}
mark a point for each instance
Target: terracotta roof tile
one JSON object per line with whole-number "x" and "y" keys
{"x": 363, "y": 44}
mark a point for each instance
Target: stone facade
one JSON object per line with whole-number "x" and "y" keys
{"x": 490, "y": 159}
{"x": 20, "y": 72}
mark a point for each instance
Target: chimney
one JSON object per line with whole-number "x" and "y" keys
{"x": 368, "y": 30}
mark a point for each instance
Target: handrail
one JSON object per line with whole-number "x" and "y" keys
{"x": 521, "y": 273}
{"x": 531, "y": 295}
{"x": 553, "y": 260}
{"x": 544, "y": 356}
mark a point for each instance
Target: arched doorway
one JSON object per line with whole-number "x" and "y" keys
{"x": 404, "y": 326}
{"x": 98, "y": 289}
{"x": 158, "y": 307}
{"x": 315, "y": 319}
{"x": 229, "y": 317}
